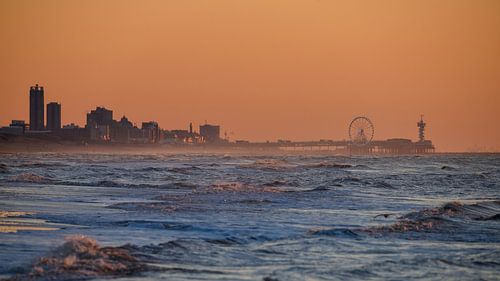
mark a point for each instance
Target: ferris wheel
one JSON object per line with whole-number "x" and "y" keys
{"x": 361, "y": 130}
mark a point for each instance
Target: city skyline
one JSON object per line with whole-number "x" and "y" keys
{"x": 299, "y": 76}
{"x": 51, "y": 122}
{"x": 53, "y": 118}
{"x": 102, "y": 128}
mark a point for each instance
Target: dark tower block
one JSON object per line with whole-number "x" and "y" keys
{"x": 36, "y": 108}
{"x": 53, "y": 116}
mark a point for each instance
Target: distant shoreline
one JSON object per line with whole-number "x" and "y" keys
{"x": 23, "y": 144}
{"x": 68, "y": 147}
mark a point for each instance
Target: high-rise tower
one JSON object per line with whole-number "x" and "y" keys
{"x": 421, "y": 129}
{"x": 53, "y": 116}
{"x": 36, "y": 108}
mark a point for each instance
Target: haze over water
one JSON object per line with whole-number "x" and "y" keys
{"x": 249, "y": 217}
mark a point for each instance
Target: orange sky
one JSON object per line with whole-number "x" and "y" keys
{"x": 264, "y": 70}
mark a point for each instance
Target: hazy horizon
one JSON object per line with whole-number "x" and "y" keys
{"x": 265, "y": 70}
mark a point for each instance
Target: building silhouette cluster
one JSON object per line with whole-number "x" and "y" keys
{"x": 101, "y": 127}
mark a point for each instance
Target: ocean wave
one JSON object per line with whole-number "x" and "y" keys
{"x": 227, "y": 241}
{"x": 163, "y": 207}
{"x": 151, "y": 169}
{"x": 233, "y": 240}
{"x": 327, "y": 165}
{"x": 420, "y": 225}
{"x": 453, "y": 218}
{"x": 276, "y": 183}
{"x": 337, "y": 232}
{"x": 239, "y": 187}
{"x": 448, "y": 168}
{"x": 382, "y": 184}
{"x": 3, "y": 169}
{"x": 474, "y": 211}
{"x": 30, "y": 178}
{"x": 453, "y": 221}
{"x": 185, "y": 184}
{"x": 255, "y": 201}
{"x": 81, "y": 257}
{"x": 268, "y": 165}
{"x": 319, "y": 188}
{"x": 111, "y": 183}
{"x": 348, "y": 179}
{"x": 41, "y": 165}
{"x": 184, "y": 170}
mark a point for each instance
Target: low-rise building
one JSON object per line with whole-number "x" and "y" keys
{"x": 210, "y": 133}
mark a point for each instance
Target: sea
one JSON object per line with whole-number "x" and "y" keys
{"x": 249, "y": 216}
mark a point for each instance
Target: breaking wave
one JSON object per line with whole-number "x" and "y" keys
{"x": 453, "y": 221}
{"x": 453, "y": 218}
{"x": 81, "y": 257}
{"x": 476, "y": 211}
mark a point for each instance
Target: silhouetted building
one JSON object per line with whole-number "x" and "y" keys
{"x": 99, "y": 116}
{"x": 121, "y": 130}
{"x": 179, "y": 136}
{"x": 73, "y": 132}
{"x": 36, "y": 108}
{"x": 99, "y": 122}
{"x": 18, "y": 123}
{"x": 125, "y": 123}
{"x": 151, "y": 131}
{"x": 16, "y": 127}
{"x": 71, "y": 126}
{"x": 210, "y": 133}
{"x": 53, "y": 116}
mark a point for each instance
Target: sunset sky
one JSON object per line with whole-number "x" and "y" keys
{"x": 298, "y": 70}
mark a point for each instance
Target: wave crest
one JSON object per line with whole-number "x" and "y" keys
{"x": 81, "y": 256}
{"x": 239, "y": 187}
{"x": 451, "y": 217}
{"x": 327, "y": 165}
{"x": 30, "y": 177}
{"x": 268, "y": 165}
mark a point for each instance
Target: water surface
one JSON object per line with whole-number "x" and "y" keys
{"x": 252, "y": 217}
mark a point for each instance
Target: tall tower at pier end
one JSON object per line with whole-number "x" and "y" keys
{"x": 421, "y": 129}
{"x": 36, "y": 108}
